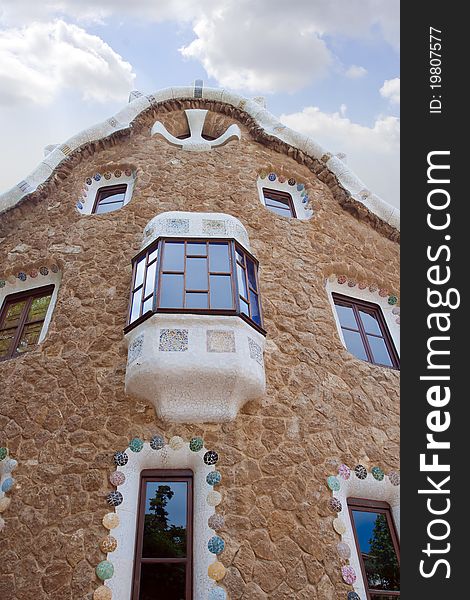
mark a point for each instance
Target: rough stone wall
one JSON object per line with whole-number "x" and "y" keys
{"x": 63, "y": 410}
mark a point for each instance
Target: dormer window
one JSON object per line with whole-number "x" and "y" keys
{"x": 210, "y": 276}
{"x": 109, "y": 198}
{"x": 278, "y": 202}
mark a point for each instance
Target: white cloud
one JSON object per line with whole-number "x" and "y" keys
{"x": 262, "y": 46}
{"x": 42, "y": 59}
{"x": 373, "y": 152}
{"x": 391, "y": 90}
{"x": 356, "y": 72}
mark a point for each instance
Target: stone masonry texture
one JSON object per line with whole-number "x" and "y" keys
{"x": 63, "y": 410}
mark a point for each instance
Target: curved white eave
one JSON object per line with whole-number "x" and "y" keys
{"x": 268, "y": 122}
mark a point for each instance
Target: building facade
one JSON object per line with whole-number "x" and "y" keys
{"x": 199, "y": 359}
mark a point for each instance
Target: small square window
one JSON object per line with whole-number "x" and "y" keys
{"x": 278, "y": 202}
{"x": 109, "y": 198}
{"x": 21, "y": 321}
{"x": 365, "y": 332}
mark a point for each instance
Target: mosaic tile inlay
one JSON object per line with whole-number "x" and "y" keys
{"x": 176, "y": 226}
{"x": 173, "y": 340}
{"x": 256, "y": 353}
{"x": 214, "y": 226}
{"x": 135, "y": 349}
{"x": 220, "y": 341}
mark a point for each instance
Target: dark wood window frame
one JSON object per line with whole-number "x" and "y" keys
{"x": 29, "y": 295}
{"x": 377, "y": 506}
{"x": 150, "y": 475}
{"x": 357, "y": 304}
{"x": 234, "y": 250}
{"x": 119, "y": 188}
{"x": 280, "y": 197}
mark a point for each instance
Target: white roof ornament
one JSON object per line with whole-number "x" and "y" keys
{"x": 195, "y": 142}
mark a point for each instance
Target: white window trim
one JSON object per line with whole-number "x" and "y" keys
{"x": 333, "y": 287}
{"x": 302, "y": 211}
{"x": 28, "y": 286}
{"x": 125, "y": 534}
{"x": 369, "y": 489}
{"x": 90, "y": 191}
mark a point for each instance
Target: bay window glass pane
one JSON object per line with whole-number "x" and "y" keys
{"x": 148, "y": 305}
{"x": 165, "y": 519}
{"x": 38, "y": 308}
{"x": 371, "y": 325}
{"x": 346, "y": 316}
{"x": 13, "y": 314}
{"x": 171, "y": 291}
{"x": 255, "y": 313}
{"x": 150, "y": 281}
{"x": 162, "y": 580}
{"x": 153, "y": 255}
{"x": 136, "y": 300}
{"x": 139, "y": 273}
{"x": 219, "y": 258}
{"x": 379, "y": 350}
{"x": 197, "y": 300}
{"x": 196, "y": 274}
{"x": 244, "y": 307}
{"x": 221, "y": 291}
{"x": 251, "y": 269}
{"x": 377, "y": 550}
{"x": 354, "y": 343}
{"x": 29, "y": 337}
{"x": 196, "y": 248}
{"x": 241, "y": 282}
{"x": 240, "y": 258}
{"x": 173, "y": 256}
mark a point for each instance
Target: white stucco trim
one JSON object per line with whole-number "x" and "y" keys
{"x": 13, "y": 287}
{"x": 368, "y": 296}
{"x": 123, "y": 557}
{"x": 302, "y": 211}
{"x": 369, "y": 489}
{"x": 85, "y": 204}
{"x": 264, "y": 119}
{"x": 195, "y": 224}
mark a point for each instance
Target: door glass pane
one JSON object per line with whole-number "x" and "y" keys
{"x": 370, "y": 323}
{"x": 171, "y": 291}
{"x": 377, "y": 550}
{"x": 221, "y": 291}
{"x": 251, "y": 273}
{"x": 219, "y": 259}
{"x": 29, "y": 337}
{"x": 162, "y": 580}
{"x": 165, "y": 519}
{"x": 173, "y": 256}
{"x": 197, "y": 300}
{"x": 379, "y": 350}
{"x": 139, "y": 273}
{"x": 6, "y": 338}
{"x": 38, "y": 308}
{"x": 136, "y": 300}
{"x": 196, "y": 248}
{"x": 255, "y": 314}
{"x": 150, "y": 281}
{"x": 196, "y": 274}
{"x": 13, "y": 314}
{"x": 354, "y": 344}
{"x": 241, "y": 282}
{"x": 346, "y": 316}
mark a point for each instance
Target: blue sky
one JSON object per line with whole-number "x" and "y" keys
{"x": 328, "y": 68}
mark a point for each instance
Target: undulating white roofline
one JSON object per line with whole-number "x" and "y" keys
{"x": 268, "y": 122}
